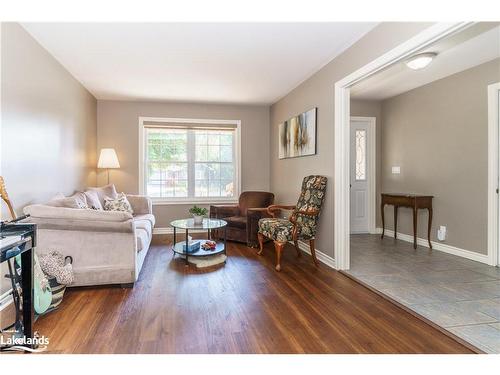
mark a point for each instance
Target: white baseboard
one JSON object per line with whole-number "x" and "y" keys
{"x": 483, "y": 258}
{"x": 170, "y": 230}
{"x": 322, "y": 257}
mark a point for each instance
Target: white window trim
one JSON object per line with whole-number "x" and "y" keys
{"x": 187, "y": 200}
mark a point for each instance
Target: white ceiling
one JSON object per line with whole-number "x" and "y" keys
{"x": 251, "y": 63}
{"x": 472, "y": 47}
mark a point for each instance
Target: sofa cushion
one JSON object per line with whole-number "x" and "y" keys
{"x": 236, "y": 221}
{"x": 120, "y": 203}
{"x": 107, "y": 191}
{"x": 276, "y": 229}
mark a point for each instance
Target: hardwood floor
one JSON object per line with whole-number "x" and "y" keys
{"x": 244, "y": 307}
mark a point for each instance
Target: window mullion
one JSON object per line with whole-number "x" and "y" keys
{"x": 236, "y": 170}
{"x": 145, "y": 161}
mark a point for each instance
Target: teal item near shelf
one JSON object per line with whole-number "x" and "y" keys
{"x": 194, "y": 246}
{"x": 42, "y": 297}
{"x": 13, "y": 252}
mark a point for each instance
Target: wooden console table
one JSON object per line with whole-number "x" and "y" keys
{"x": 413, "y": 201}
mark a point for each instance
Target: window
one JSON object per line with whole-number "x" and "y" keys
{"x": 192, "y": 161}
{"x": 166, "y": 162}
{"x": 360, "y": 155}
{"x": 213, "y": 165}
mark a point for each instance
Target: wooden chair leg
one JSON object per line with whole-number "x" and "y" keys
{"x": 279, "y": 248}
{"x": 313, "y": 252}
{"x": 296, "y": 243}
{"x": 261, "y": 243}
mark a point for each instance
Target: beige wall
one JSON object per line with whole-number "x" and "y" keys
{"x": 438, "y": 135}
{"x": 118, "y": 128}
{"x": 318, "y": 91}
{"x": 48, "y": 123}
{"x": 48, "y": 130}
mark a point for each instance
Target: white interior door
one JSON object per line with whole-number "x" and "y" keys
{"x": 360, "y": 174}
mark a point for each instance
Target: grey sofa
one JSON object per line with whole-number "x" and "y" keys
{"x": 107, "y": 247}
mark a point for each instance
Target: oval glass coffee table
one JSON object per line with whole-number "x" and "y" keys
{"x": 188, "y": 224}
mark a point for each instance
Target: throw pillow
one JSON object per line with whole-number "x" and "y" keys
{"x": 67, "y": 202}
{"x": 58, "y": 196}
{"x": 93, "y": 200}
{"x": 81, "y": 200}
{"x": 120, "y": 203}
{"x": 107, "y": 191}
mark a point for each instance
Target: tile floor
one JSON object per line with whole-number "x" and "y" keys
{"x": 458, "y": 294}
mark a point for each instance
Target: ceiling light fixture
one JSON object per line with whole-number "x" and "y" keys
{"x": 421, "y": 60}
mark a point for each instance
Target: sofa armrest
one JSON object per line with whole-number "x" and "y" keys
{"x": 140, "y": 204}
{"x": 220, "y": 212}
{"x": 42, "y": 211}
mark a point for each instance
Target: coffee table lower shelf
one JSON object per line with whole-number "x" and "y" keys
{"x": 219, "y": 249}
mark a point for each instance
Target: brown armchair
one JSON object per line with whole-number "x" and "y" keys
{"x": 243, "y": 219}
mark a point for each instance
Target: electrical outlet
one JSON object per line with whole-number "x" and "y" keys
{"x": 441, "y": 233}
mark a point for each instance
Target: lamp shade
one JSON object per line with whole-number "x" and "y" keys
{"x": 108, "y": 159}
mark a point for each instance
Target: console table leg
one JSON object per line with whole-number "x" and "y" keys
{"x": 429, "y": 224}
{"x": 414, "y": 228}
{"x": 187, "y": 247}
{"x": 225, "y": 240}
{"x": 175, "y": 241}
{"x": 383, "y": 220}
{"x": 395, "y": 221}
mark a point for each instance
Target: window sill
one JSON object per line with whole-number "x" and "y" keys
{"x": 167, "y": 202}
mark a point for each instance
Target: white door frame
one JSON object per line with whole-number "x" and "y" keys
{"x": 493, "y": 174}
{"x": 372, "y": 169}
{"x": 342, "y": 121}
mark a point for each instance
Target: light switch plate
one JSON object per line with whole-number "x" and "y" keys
{"x": 396, "y": 170}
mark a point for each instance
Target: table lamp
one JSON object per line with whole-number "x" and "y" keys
{"x": 108, "y": 160}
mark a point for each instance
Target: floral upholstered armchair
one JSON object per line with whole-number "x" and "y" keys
{"x": 302, "y": 223}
